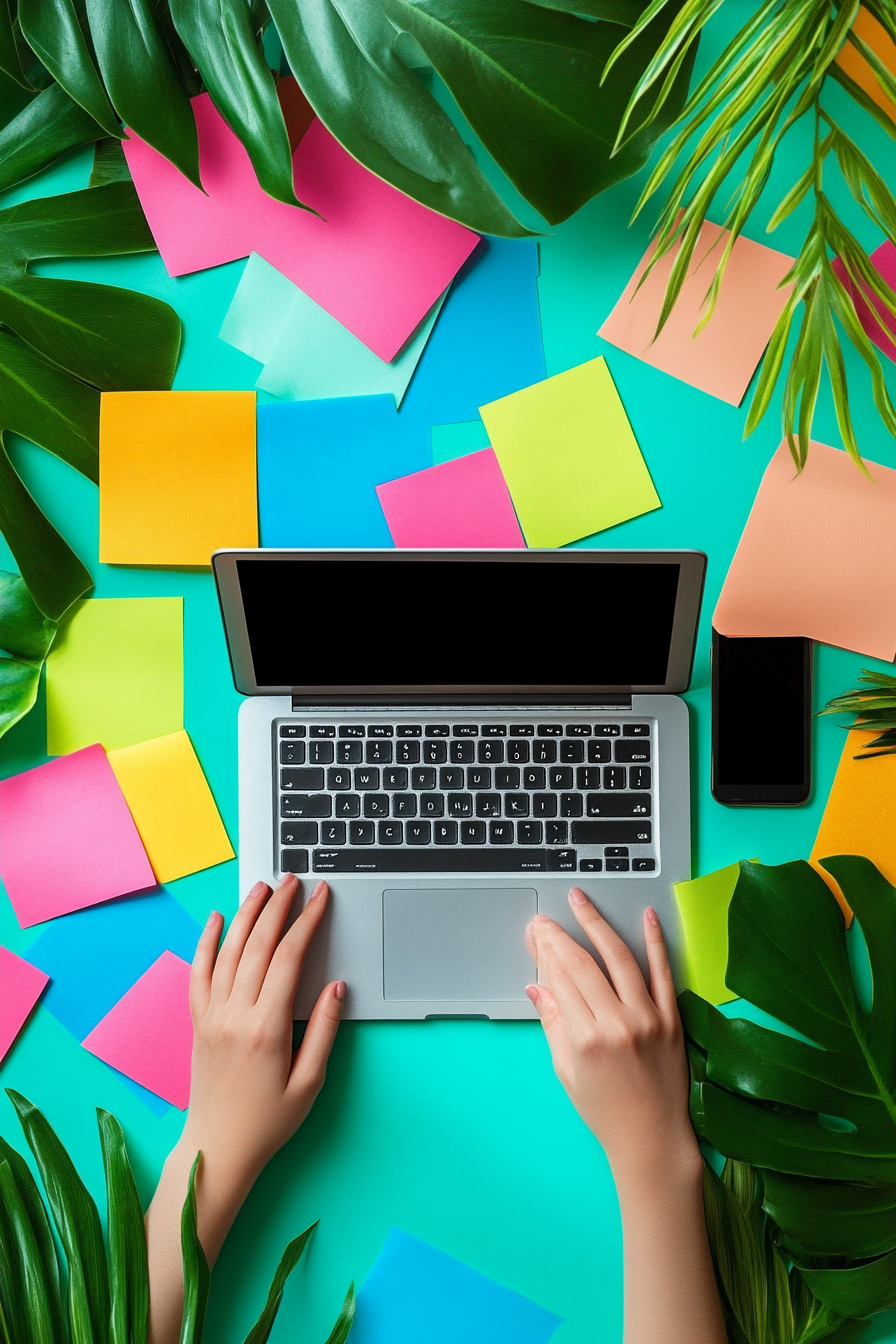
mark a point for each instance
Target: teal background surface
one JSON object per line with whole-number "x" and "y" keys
{"x": 456, "y": 1132}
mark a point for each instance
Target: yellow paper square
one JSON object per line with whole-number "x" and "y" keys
{"x": 703, "y": 906}
{"x": 115, "y": 674}
{"x": 177, "y": 476}
{"x": 571, "y": 462}
{"x": 860, "y": 814}
{"x": 172, "y": 806}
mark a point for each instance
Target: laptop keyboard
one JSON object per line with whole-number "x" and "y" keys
{"x": 465, "y": 797}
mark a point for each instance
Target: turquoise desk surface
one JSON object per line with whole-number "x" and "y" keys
{"x": 456, "y": 1132}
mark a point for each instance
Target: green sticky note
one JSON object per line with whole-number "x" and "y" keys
{"x": 451, "y": 441}
{"x": 703, "y": 905}
{"x": 569, "y": 457}
{"x": 116, "y": 674}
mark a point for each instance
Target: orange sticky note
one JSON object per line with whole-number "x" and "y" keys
{"x": 860, "y": 816}
{"x": 723, "y": 358}
{"x": 816, "y": 556}
{"x": 172, "y": 805}
{"x": 854, "y": 64}
{"x": 177, "y": 476}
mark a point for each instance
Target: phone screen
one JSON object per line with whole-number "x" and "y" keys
{"x": 761, "y": 720}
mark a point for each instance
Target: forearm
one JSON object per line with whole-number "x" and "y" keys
{"x": 670, "y": 1289}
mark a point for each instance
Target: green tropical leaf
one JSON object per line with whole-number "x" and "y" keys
{"x": 874, "y": 710}
{"x": 196, "y": 1273}
{"x": 25, "y": 637}
{"x": 13, "y": 96}
{"x": 128, "y": 1270}
{"x": 55, "y": 31}
{"x": 340, "y": 1332}
{"x": 40, "y": 1225}
{"x": 261, "y": 1330}
{"x": 29, "y": 1302}
{"x": 50, "y": 125}
{"x": 109, "y": 164}
{"x": 861, "y": 1288}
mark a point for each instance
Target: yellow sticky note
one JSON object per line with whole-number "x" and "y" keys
{"x": 569, "y": 457}
{"x": 860, "y": 816}
{"x": 115, "y": 674}
{"x": 703, "y": 905}
{"x": 172, "y": 806}
{"x": 177, "y": 476}
{"x": 851, "y": 60}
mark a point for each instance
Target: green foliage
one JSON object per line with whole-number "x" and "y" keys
{"x": 772, "y": 75}
{"x": 25, "y": 638}
{"x": 815, "y": 1116}
{"x": 97, "y": 1291}
{"x": 875, "y": 710}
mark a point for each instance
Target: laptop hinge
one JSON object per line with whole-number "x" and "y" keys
{"x": 600, "y": 700}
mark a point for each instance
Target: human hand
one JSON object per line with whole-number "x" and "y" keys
{"x": 617, "y": 1045}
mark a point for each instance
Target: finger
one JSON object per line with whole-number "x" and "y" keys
{"x": 262, "y": 942}
{"x": 625, "y": 973}
{"x": 203, "y": 965}
{"x": 579, "y": 965}
{"x": 555, "y": 975}
{"x": 235, "y": 940}
{"x": 282, "y": 979}
{"x": 548, "y": 1010}
{"x": 662, "y": 986}
{"x": 309, "y": 1067}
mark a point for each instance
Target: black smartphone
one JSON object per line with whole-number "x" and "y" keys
{"x": 761, "y": 721}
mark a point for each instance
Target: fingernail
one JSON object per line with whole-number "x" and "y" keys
{"x": 318, "y": 891}
{"x": 651, "y": 916}
{"x": 532, "y": 993}
{"x": 339, "y": 989}
{"x": 213, "y": 916}
{"x": 256, "y": 890}
{"x": 541, "y": 919}
{"x": 578, "y": 897}
{"x": 288, "y": 877}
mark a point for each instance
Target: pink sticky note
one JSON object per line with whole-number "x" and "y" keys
{"x": 461, "y": 503}
{"x": 67, "y": 839}
{"x": 375, "y": 259}
{"x": 816, "y": 556}
{"x": 723, "y": 358}
{"x": 21, "y": 985}
{"x": 148, "y": 1035}
{"x": 867, "y": 304}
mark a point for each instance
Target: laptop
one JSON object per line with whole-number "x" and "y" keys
{"x": 452, "y": 739}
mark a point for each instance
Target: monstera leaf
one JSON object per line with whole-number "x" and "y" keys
{"x": 25, "y": 639}
{"x": 816, "y": 1116}
{"x": 62, "y": 342}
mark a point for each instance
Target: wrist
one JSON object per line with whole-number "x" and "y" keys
{"x": 675, "y": 1163}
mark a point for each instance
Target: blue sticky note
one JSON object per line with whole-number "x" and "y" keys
{"x": 319, "y": 463}
{"x": 417, "y": 1295}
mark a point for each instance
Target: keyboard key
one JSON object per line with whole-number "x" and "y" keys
{"x": 544, "y": 805}
{"x": 516, "y": 804}
{"x": 451, "y": 777}
{"x": 639, "y": 777}
{"x": 396, "y": 777}
{"x": 298, "y": 833}
{"x": 612, "y": 832}
{"x": 472, "y": 832}
{"x": 436, "y": 730}
{"x": 591, "y": 865}
{"x": 490, "y": 752}
{"x": 349, "y": 753}
{"x": 572, "y": 752}
{"x": 571, "y": 805}
{"x": 561, "y": 860}
{"x": 466, "y": 730}
{"x": 522, "y": 730}
{"x": 528, "y": 832}
{"x": 332, "y": 833}
{"x": 578, "y": 730}
{"x": 463, "y": 753}
{"x": 305, "y": 805}
{"x": 351, "y": 730}
{"x": 445, "y": 859}
{"x": 501, "y": 832}
{"x": 301, "y": 779}
{"x": 606, "y": 729}
{"x": 488, "y": 804}
{"x": 424, "y": 777}
{"x": 614, "y": 777}
{"x": 320, "y": 753}
{"x": 418, "y": 832}
{"x": 435, "y": 753}
{"x": 432, "y": 804}
{"x": 361, "y": 832}
{"x": 616, "y": 852}
{"x": 599, "y": 752}
{"x": 404, "y": 805}
{"x": 517, "y": 752}
{"x": 544, "y": 753}
{"x": 588, "y": 777}
{"x": 445, "y": 832}
{"x": 339, "y": 779}
{"x": 561, "y": 777}
{"x": 389, "y": 833}
{"x": 618, "y": 804}
{"x": 292, "y": 730}
{"x": 376, "y": 804}
{"x": 636, "y": 730}
{"x": 479, "y": 777}
{"x": 460, "y": 804}
{"x": 380, "y": 730}
{"x": 408, "y": 730}
{"x": 550, "y": 730}
{"x": 507, "y": 777}
{"x": 632, "y": 752}
{"x": 617, "y": 865}
{"x": 534, "y": 777}
{"x": 347, "y": 805}
{"x": 643, "y": 865}
{"x": 494, "y": 730}
{"x": 556, "y": 833}
{"x": 378, "y": 753}
{"x": 322, "y": 730}
{"x": 292, "y": 753}
{"x": 293, "y": 860}
{"x": 407, "y": 753}
{"x": 367, "y": 777}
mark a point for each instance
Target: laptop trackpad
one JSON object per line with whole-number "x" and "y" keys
{"x": 455, "y": 943}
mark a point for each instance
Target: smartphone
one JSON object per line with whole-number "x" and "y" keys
{"x": 761, "y": 721}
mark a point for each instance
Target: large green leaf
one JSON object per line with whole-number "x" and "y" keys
{"x": 128, "y": 1271}
{"x": 261, "y": 1330}
{"x": 30, "y": 1295}
{"x": 43, "y": 1237}
{"x": 196, "y": 1272}
{"x": 50, "y": 125}
{"x": 25, "y": 637}
{"x": 56, "y": 31}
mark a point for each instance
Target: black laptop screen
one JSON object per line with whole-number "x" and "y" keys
{"x": 421, "y": 623}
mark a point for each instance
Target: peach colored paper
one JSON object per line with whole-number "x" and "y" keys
{"x": 816, "y": 556}
{"x": 462, "y": 503}
{"x": 376, "y": 260}
{"x": 148, "y": 1035}
{"x": 21, "y": 985}
{"x": 723, "y": 358}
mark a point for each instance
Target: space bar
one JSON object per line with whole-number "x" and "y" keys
{"x": 429, "y": 860}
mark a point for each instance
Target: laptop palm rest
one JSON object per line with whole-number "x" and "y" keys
{"x": 463, "y": 944}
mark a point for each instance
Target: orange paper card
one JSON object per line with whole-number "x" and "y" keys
{"x": 816, "y": 556}
{"x": 860, "y": 816}
{"x": 177, "y": 476}
{"x": 723, "y": 358}
{"x": 851, "y": 60}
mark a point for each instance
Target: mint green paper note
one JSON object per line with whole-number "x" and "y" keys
{"x": 703, "y": 906}
{"x": 452, "y": 441}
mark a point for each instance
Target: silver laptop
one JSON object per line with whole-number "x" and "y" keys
{"x": 452, "y": 739}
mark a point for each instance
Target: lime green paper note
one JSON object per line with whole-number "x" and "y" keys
{"x": 453, "y": 441}
{"x": 703, "y": 905}
{"x": 116, "y": 674}
{"x": 569, "y": 457}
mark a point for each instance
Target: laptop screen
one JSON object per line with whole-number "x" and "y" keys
{"x": 345, "y": 622}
